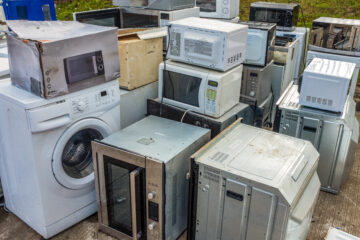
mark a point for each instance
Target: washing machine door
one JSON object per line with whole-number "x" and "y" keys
{"x": 72, "y": 158}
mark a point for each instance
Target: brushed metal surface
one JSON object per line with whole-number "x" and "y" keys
{"x": 276, "y": 176}
{"x": 155, "y": 183}
{"x": 334, "y": 135}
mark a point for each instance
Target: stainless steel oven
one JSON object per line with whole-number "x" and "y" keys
{"x": 140, "y": 178}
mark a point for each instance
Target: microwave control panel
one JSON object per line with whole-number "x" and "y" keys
{"x": 88, "y": 103}
{"x": 211, "y": 96}
{"x": 252, "y": 84}
{"x": 154, "y": 201}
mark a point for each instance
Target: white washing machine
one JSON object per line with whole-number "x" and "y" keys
{"x": 45, "y": 153}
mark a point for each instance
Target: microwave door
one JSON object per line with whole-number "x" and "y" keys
{"x": 104, "y": 17}
{"x": 184, "y": 90}
{"x": 139, "y": 18}
{"x": 207, "y": 6}
{"x": 124, "y": 188}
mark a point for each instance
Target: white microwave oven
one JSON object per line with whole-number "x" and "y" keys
{"x": 326, "y": 83}
{"x": 260, "y": 43}
{"x": 208, "y": 43}
{"x": 223, "y": 9}
{"x": 200, "y": 90}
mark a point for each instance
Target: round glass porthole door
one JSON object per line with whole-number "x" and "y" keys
{"x": 76, "y": 158}
{"x": 72, "y": 158}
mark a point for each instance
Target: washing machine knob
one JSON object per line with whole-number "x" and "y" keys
{"x": 151, "y": 226}
{"x": 81, "y": 105}
{"x": 252, "y": 94}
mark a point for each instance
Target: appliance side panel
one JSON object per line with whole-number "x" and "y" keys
{"x": 261, "y": 215}
{"x": 16, "y": 159}
{"x": 280, "y": 222}
{"x": 328, "y": 151}
{"x": 209, "y": 204}
{"x": 235, "y": 215}
{"x": 177, "y": 189}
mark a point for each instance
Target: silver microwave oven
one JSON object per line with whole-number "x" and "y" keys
{"x": 260, "y": 43}
{"x": 166, "y": 5}
{"x": 200, "y": 90}
{"x": 335, "y": 35}
{"x": 222, "y": 9}
{"x": 127, "y": 17}
{"x": 142, "y": 190}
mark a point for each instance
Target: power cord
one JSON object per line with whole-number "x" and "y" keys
{"x": 183, "y": 116}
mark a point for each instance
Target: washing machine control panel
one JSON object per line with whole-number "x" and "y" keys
{"x": 90, "y": 102}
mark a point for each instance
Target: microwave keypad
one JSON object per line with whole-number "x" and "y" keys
{"x": 211, "y": 94}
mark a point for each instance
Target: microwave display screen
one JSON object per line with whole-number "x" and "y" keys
{"x": 213, "y": 83}
{"x": 83, "y": 67}
{"x": 181, "y": 88}
{"x": 135, "y": 20}
{"x": 206, "y": 5}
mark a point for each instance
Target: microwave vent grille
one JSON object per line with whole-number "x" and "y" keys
{"x": 211, "y": 174}
{"x": 291, "y": 116}
{"x": 318, "y": 100}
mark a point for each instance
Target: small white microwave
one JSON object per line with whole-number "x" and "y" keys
{"x": 326, "y": 83}
{"x": 199, "y": 89}
{"x": 223, "y": 9}
{"x": 208, "y": 43}
{"x": 260, "y": 43}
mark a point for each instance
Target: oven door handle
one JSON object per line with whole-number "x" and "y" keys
{"x": 133, "y": 175}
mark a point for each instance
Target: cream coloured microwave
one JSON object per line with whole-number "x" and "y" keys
{"x": 197, "y": 89}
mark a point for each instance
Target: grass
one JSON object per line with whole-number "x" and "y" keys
{"x": 64, "y": 10}
{"x": 312, "y": 8}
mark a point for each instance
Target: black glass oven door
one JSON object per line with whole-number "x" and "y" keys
{"x": 104, "y": 17}
{"x": 125, "y": 190}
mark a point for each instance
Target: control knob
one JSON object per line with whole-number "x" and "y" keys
{"x": 151, "y": 226}
{"x": 252, "y": 94}
{"x": 81, "y": 105}
{"x": 151, "y": 195}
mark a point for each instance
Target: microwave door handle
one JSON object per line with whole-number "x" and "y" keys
{"x": 133, "y": 175}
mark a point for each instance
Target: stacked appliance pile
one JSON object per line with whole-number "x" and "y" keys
{"x": 62, "y": 95}
{"x": 203, "y": 75}
{"x": 323, "y": 113}
{"x": 290, "y": 44}
{"x": 256, "y": 89}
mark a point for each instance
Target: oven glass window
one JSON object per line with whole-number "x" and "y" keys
{"x": 206, "y": 5}
{"x": 106, "y": 21}
{"x": 133, "y": 20}
{"x": 181, "y": 88}
{"x": 118, "y": 195}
